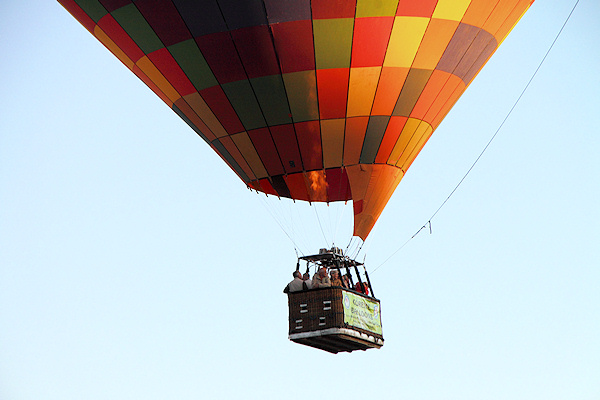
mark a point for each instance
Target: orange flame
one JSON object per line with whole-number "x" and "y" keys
{"x": 318, "y": 185}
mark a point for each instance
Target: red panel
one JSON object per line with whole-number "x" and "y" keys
{"x": 79, "y": 14}
{"x": 165, "y": 20}
{"x": 338, "y": 186}
{"x": 297, "y": 185}
{"x": 325, "y": 9}
{"x": 261, "y": 138}
{"x": 267, "y": 187}
{"x": 309, "y": 140}
{"x": 164, "y": 61}
{"x": 411, "y": 8}
{"x": 221, "y": 56}
{"x": 294, "y": 43}
{"x": 140, "y": 74}
{"x": 432, "y": 89}
{"x": 255, "y": 47}
{"x": 284, "y": 137}
{"x": 220, "y": 106}
{"x": 118, "y": 35}
{"x": 371, "y": 36}
{"x": 332, "y": 86}
{"x": 390, "y": 137}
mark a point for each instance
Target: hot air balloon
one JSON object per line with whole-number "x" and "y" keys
{"x": 314, "y": 100}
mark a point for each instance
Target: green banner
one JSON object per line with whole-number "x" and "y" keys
{"x": 361, "y": 312}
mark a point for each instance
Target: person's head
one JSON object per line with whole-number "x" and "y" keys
{"x": 335, "y": 274}
{"x": 297, "y": 274}
{"x": 323, "y": 272}
{"x": 306, "y": 276}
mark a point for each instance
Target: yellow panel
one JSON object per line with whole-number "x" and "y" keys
{"x": 332, "y": 137}
{"x": 406, "y": 37}
{"x": 451, "y": 9}
{"x": 244, "y": 144}
{"x": 201, "y": 108}
{"x": 411, "y": 127}
{"x": 416, "y": 143}
{"x": 159, "y": 80}
{"x": 110, "y": 45}
{"x": 361, "y": 91}
{"x": 376, "y": 8}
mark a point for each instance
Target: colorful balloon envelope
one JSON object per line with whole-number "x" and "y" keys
{"x": 315, "y": 100}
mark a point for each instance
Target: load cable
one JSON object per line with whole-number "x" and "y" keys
{"x": 428, "y": 223}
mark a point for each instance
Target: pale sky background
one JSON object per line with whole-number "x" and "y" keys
{"x": 134, "y": 264}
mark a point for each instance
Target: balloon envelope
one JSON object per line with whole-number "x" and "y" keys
{"x": 316, "y": 100}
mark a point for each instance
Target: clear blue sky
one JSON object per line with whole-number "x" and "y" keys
{"x": 135, "y": 265}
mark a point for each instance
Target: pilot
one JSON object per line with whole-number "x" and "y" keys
{"x": 321, "y": 279}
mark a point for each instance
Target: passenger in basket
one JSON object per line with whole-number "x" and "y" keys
{"x": 296, "y": 284}
{"x": 335, "y": 278}
{"x": 346, "y": 281}
{"x": 307, "y": 281}
{"x": 321, "y": 279}
{"x": 361, "y": 287}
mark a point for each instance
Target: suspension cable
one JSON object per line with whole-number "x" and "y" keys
{"x": 428, "y": 223}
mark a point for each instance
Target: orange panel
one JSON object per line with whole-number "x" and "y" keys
{"x": 390, "y": 84}
{"x": 390, "y": 137}
{"x": 354, "y": 138}
{"x": 204, "y": 112}
{"x": 434, "y": 85}
{"x": 478, "y": 12}
{"x": 140, "y": 74}
{"x": 159, "y": 80}
{"x": 512, "y": 19}
{"x": 372, "y": 186}
{"x": 194, "y": 119}
{"x": 415, "y": 144}
{"x": 499, "y": 15}
{"x": 361, "y": 91}
{"x": 332, "y": 136}
{"x": 237, "y": 156}
{"x": 436, "y": 39}
{"x": 453, "y": 86}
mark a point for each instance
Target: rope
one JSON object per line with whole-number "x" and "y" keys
{"x": 428, "y": 223}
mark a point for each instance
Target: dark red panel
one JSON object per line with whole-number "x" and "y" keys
{"x": 287, "y": 10}
{"x": 112, "y": 5}
{"x": 220, "y": 54}
{"x": 261, "y": 138}
{"x": 294, "y": 44}
{"x": 411, "y": 8}
{"x": 202, "y": 17}
{"x": 309, "y": 140}
{"x": 297, "y": 185}
{"x": 79, "y": 14}
{"x": 332, "y": 86}
{"x": 255, "y": 47}
{"x": 118, "y": 35}
{"x": 284, "y": 137}
{"x": 219, "y": 104}
{"x": 338, "y": 186}
{"x": 164, "y": 61}
{"x": 371, "y": 36}
{"x": 165, "y": 20}
{"x": 325, "y": 9}
{"x": 280, "y": 186}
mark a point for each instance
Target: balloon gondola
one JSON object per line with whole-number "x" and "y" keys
{"x": 336, "y": 318}
{"x": 311, "y": 100}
